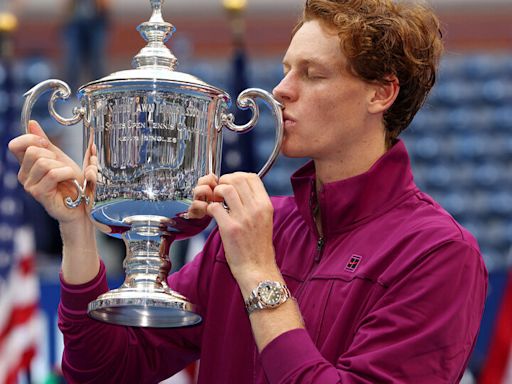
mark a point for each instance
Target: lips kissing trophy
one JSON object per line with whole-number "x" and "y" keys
{"x": 156, "y": 131}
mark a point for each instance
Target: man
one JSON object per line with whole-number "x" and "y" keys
{"x": 382, "y": 284}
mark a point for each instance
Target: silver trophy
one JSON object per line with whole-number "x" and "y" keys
{"x": 156, "y": 131}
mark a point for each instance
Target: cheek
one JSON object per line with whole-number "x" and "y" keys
{"x": 345, "y": 109}
{"x": 329, "y": 111}
{"x": 322, "y": 105}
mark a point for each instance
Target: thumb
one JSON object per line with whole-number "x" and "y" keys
{"x": 35, "y": 129}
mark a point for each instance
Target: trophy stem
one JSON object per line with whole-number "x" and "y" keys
{"x": 147, "y": 261}
{"x": 145, "y": 299}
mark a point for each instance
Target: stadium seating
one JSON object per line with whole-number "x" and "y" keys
{"x": 460, "y": 142}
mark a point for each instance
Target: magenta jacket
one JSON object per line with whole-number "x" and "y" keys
{"x": 393, "y": 293}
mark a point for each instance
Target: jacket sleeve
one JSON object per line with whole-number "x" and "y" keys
{"x": 422, "y": 328}
{"x": 97, "y": 352}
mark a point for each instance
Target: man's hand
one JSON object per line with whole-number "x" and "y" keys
{"x": 244, "y": 213}
{"x": 46, "y": 173}
{"x": 203, "y": 195}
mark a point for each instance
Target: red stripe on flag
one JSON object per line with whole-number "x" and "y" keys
{"x": 23, "y": 363}
{"x": 26, "y": 266}
{"x": 498, "y": 357}
{"x": 19, "y": 316}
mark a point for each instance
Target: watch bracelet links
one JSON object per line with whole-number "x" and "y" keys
{"x": 253, "y": 302}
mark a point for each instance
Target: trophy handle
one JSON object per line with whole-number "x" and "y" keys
{"x": 246, "y": 100}
{"x": 60, "y": 91}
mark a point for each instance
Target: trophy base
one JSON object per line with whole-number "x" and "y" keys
{"x": 133, "y": 307}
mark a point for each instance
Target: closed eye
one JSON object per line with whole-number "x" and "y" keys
{"x": 313, "y": 74}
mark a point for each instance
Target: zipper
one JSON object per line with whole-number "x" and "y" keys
{"x": 319, "y": 248}
{"x": 320, "y": 243}
{"x": 314, "y": 206}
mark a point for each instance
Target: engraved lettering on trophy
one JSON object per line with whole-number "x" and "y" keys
{"x": 135, "y": 138}
{"x": 155, "y": 136}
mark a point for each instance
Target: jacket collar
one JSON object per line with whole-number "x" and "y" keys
{"x": 349, "y": 202}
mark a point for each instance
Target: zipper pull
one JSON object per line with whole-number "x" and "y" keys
{"x": 319, "y": 248}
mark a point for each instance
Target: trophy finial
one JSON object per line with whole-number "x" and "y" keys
{"x": 234, "y": 5}
{"x": 156, "y": 5}
{"x": 156, "y": 32}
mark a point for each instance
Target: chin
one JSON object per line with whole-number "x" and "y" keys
{"x": 292, "y": 152}
{"x": 293, "y": 148}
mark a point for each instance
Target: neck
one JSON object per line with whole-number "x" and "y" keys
{"x": 352, "y": 162}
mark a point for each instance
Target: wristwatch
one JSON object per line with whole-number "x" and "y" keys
{"x": 268, "y": 294}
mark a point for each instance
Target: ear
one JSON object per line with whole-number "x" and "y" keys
{"x": 383, "y": 95}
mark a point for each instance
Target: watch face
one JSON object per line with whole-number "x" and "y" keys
{"x": 270, "y": 294}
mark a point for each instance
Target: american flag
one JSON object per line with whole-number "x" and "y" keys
{"x": 498, "y": 365}
{"x": 20, "y": 325}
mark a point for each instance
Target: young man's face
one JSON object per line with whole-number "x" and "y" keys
{"x": 325, "y": 106}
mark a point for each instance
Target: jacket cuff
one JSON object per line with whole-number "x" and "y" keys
{"x": 287, "y": 354}
{"x": 75, "y": 298}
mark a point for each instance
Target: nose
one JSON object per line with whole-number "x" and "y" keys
{"x": 284, "y": 91}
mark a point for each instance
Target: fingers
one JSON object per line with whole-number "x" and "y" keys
{"x": 19, "y": 145}
{"x": 238, "y": 182}
{"x": 43, "y": 168}
{"x": 197, "y": 210}
{"x": 248, "y": 186}
{"x": 35, "y": 163}
{"x": 245, "y": 195}
{"x": 203, "y": 192}
{"x": 209, "y": 180}
{"x": 203, "y": 195}
{"x": 229, "y": 195}
{"x": 48, "y": 183}
{"x": 35, "y": 137}
{"x": 90, "y": 153}
{"x": 91, "y": 173}
{"x": 219, "y": 213}
{"x": 246, "y": 183}
{"x": 35, "y": 129}
{"x": 233, "y": 191}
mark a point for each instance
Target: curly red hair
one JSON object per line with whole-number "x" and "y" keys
{"x": 382, "y": 38}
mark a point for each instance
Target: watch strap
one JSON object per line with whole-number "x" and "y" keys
{"x": 257, "y": 300}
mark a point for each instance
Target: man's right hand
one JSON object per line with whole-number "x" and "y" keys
{"x": 46, "y": 173}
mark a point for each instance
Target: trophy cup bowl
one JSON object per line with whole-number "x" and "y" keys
{"x": 156, "y": 132}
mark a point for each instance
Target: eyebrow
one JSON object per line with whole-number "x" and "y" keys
{"x": 307, "y": 63}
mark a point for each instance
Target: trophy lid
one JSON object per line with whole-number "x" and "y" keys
{"x": 155, "y": 62}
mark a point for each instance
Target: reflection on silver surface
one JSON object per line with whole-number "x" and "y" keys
{"x": 152, "y": 148}
{"x": 156, "y": 132}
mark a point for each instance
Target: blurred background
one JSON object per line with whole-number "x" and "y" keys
{"x": 460, "y": 142}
